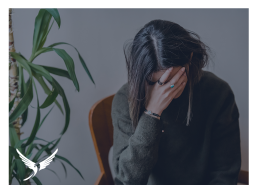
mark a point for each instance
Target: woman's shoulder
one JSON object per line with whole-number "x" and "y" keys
{"x": 210, "y": 81}
{"x": 213, "y": 87}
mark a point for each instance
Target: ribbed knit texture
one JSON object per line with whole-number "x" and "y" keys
{"x": 205, "y": 152}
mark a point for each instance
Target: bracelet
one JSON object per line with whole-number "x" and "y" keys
{"x": 151, "y": 113}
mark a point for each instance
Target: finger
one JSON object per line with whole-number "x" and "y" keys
{"x": 178, "y": 89}
{"x": 182, "y": 79}
{"x": 165, "y": 76}
{"x": 176, "y": 77}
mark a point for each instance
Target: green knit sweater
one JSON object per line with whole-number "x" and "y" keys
{"x": 203, "y": 153}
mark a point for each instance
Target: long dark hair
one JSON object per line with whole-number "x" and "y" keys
{"x": 160, "y": 45}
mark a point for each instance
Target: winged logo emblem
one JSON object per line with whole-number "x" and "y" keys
{"x": 36, "y": 166}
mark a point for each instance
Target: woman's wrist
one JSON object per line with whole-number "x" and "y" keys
{"x": 153, "y": 110}
{"x": 152, "y": 115}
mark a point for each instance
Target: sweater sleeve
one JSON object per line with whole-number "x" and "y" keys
{"x": 134, "y": 153}
{"x": 225, "y": 144}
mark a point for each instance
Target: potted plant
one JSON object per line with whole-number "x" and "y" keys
{"x": 21, "y": 95}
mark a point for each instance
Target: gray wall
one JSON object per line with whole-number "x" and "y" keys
{"x": 99, "y": 35}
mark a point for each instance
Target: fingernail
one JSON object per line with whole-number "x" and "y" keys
{"x": 183, "y": 69}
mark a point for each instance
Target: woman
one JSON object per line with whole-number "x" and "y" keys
{"x": 173, "y": 125}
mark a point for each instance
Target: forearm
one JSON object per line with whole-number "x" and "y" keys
{"x": 133, "y": 162}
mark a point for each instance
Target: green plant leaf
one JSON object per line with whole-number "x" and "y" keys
{"x": 40, "y": 70}
{"x": 56, "y": 16}
{"x": 57, "y": 71}
{"x": 21, "y": 78}
{"x": 46, "y": 89}
{"x": 80, "y": 57}
{"x": 36, "y": 180}
{"x": 30, "y": 148}
{"x": 28, "y": 96}
{"x": 41, "y": 51}
{"x": 54, "y": 173}
{"x": 50, "y": 149}
{"x": 25, "y": 114}
{"x": 67, "y": 60}
{"x": 36, "y": 157}
{"x": 64, "y": 169}
{"x": 60, "y": 91}
{"x": 69, "y": 65}
{"x": 28, "y": 156}
{"x": 13, "y": 151}
{"x": 36, "y": 124}
{"x": 66, "y": 105}
{"x": 45, "y": 117}
{"x": 45, "y": 37}
{"x": 67, "y": 161}
{"x": 40, "y": 30}
{"x": 19, "y": 144}
{"x": 52, "y": 95}
{"x": 50, "y": 99}
{"x": 14, "y": 139}
{"x": 21, "y": 168}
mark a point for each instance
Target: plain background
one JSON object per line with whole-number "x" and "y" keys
{"x": 99, "y": 36}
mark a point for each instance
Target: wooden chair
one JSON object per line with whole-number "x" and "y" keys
{"x": 101, "y": 128}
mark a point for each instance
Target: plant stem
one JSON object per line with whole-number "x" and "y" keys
{"x": 13, "y": 77}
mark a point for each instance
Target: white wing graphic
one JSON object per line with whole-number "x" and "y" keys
{"x": 47, "y": 161}
{"x": 28, "y": 163}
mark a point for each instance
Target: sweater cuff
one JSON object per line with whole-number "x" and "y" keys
{"x": 149, "y": 128}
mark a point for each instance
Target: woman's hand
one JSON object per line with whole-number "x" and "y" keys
{"x": 160, "y": 96}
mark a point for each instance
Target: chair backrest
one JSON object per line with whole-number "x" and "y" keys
{"x": 101, "y": 128}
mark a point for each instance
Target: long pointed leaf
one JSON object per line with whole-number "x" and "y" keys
{"x": 36, "y": 157}
{"x": 28, "y": 96}
{"x": 67, "y": 60}
{"x": 64, "y": 169}
{"x": 45, "y": 37}
{"x": 54, "y": 173}
{"x": 36, "y": 124}
{"x": 40, "y": 29}
{"x": 50, "y": 99}
{"x": 40, "y": 70}
{"x": 69, "y": 65}
{"x": 66, "y": 105}
{"x": 41, "y": 51}
{"x": 14, "y": 139}
{"x": 57, "y": 71}
{"x": 50, "y": 149}
{"x": 67, "y": 161}
{"x": 25, "y": 114}
{"x": 21, "y": 168}
{"x": 30, "y": 148}
{"x": 13, "y": 151}
{"x": 45, "y": 117}
{"x": 46, "y": 89}
{"x": 19, "y": 144}
{"x": 36, "y": 180}
{"x": 56, "y": 16}
{"x": 80, "y": 57}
